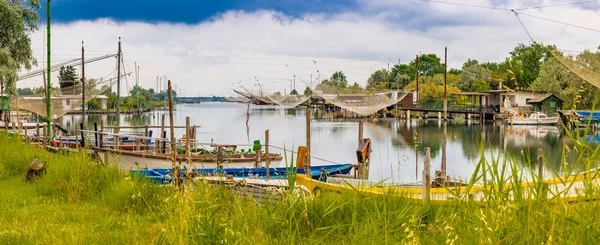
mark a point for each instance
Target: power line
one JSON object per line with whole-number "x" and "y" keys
{"x": 559, "y": 22}
{"x": 465, "y": 5}
{"x": 558, "y": 5}
{"x": 524, "y": 28}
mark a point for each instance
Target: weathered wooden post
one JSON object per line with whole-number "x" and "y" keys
{"x": 81, "y": 128}
{"x": 44, "y": 132}
{"x": 162, "y": 131}
{"x": 146, "y": 141}
{"x": 188, "y": 151}
{"x": 541, "y": 164}
{"x": 220, "y": 157}
{"x": 96, "y": 133}
{"x": 426, "y": 177}
{"x": 307, "y": 161}
{"x": 37, "y": 130}
{"x": 361, "y": 164}
{"x": 115, "y": 137}
{"x": 172, "y": 132}
{"x": 267, "y": 152}
{"x": 101, "y": 134}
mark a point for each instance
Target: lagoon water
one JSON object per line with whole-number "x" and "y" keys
{"x": 393, "y": 141}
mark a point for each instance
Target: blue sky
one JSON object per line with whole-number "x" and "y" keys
{"x": 223, "y": 42}
{"x": 184, "y": 11}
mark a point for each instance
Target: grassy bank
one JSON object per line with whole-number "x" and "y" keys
{"x": 78, "y": 201}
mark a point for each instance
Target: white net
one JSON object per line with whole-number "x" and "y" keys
{"x": 64, "y": 100}
{"x": 361, "y": 101}
{"x": 278, "y": 93}
{"x": 586, "y": 65}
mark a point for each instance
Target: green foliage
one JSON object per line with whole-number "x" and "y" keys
{"x": 80, "y": 202}
{"x": 19, "y": 19}
{"x": 472, "y": 71}
{"x": 25, "y": 91}
{"x": 526, "y": 61}
{"x": 429, "y": 65}
{"x": 378, "y": 79}
{"x": 294, "y": 92}
{"x": 479, "y": 85}
{"x": 307, "y": 91}
{"x": 67, "y": 76}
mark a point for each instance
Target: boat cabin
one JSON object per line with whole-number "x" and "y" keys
{"x": 547, "y": 103}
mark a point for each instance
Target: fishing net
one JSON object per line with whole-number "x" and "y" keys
{"x": 66, "y": 99}
{"x": 233, "y": 97}
{"x": 276, "y": 93}
{"x": 586, "y": 65}
{"x": 361, "y": 101}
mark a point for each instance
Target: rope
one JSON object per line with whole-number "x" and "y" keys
{"x": 311, "y": 156}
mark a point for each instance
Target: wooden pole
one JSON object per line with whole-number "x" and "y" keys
{"x": 188, "y": 151}
{"x": 360, "y": 132}
{"x": 96, "y": 133}
{"x": 444, "y": 142}
{"x": 267, "y": 152}
{"x": 37, "y": 130}
{"x": 162, "y": 130}
{"x": 417, "y": 76}
{"x": 81, "y": 127}
{"x": 426, "y": 177}
{"x": 146, "y": 142}
{"x": 101, "y": 133}
{"x": 445, "y": 82}
{"x": 172, "y": 131}
{"x": 118, "y": 102}
{"x": 115, "y": 137}
{"x": 307, "y": 162}
{"x": 45, "y": 132}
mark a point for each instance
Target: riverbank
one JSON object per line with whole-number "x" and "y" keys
{"x": 78, "y": 201}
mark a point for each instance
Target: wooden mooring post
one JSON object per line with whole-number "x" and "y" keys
{"x": 146, "y": 141}
{"x": 172, "y": 132}
{"x": 188, "y": 151}
{"x": 100, "y": 144}
{"x": 426, "y": 177}
{"x": 37, "y": 130}
{"x": 267, "y": 153}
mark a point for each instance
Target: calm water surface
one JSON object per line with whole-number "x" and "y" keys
{"x": 393, "y": 141}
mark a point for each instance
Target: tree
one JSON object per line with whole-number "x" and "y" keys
{"x": 307, "y": 91}
{"x": 25, "y": 91}
{"x": 67, "y": 76}
{"x": 338, "y": 79}
{"x": 355, "y": 86}
{"x": 479, "y": 85}
{"x": 472, "y": 71}
{"x": 430, "y": 90}
{"x": 19, "y": 19}
{"x": 377, "y": 78}
{"x": 526, "y": 62}
{"x": 294, "y": 92}
{"x": 429, "y": 64}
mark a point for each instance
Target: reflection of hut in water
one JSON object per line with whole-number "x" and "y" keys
{"x": 529, "y": 136}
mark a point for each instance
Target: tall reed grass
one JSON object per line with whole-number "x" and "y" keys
{"x": 79, "y": 201}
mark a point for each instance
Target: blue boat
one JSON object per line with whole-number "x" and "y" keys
{"x": 164, "y": 175}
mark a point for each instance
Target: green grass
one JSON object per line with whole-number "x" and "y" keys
{"x": 80, "y": 202}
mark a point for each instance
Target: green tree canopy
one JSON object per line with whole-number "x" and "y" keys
{"x": 377, "y": 78}
{"x": 338, "y": 79}
{"x": 67, "y": 76}
{"x": 19, "y": 19}
{"x": 526, "y": 61}
{"x": 479, "y": 85}
{"x": 471, "y": 72}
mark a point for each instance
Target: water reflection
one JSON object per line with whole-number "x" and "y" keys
{"x": 394, "y": 142}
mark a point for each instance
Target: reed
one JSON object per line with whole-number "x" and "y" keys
{"x": 78, "y": 201}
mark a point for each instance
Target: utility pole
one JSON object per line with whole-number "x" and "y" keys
{"x": 118, "y": 87}
{"x": 417, "y": 81}
{"x": 48, "y": 86}
{"x": 445, "y": 95}
{"x": 83, "y": 104}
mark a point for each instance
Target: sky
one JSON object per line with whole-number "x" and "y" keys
{"x": 211, "y": 47}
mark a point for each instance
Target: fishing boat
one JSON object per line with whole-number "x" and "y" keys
{"x": 148, "y": 159}
{"x": 536, "y": 118}
{"x": 164, "y": 175}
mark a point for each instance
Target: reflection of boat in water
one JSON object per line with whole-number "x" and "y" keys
{"x": 529, "y": 135}
{"x": 536, "y": 118}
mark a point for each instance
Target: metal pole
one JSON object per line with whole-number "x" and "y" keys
{"x": 83, "y": 104}
{"x": 118, "y": 86}
{"x": 48, "y": 86}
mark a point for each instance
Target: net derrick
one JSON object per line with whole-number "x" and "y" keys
{"x": 586, "y": 65}
{"x": 233, "y": 97}
{"x": 358, "y": 100}
{"x": 66, "y": 99}
{"x": 274, "y": 94}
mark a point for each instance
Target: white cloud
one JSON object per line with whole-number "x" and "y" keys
{"x": 207, "y": 57}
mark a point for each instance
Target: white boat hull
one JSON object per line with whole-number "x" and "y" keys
{"x": 529, "y": 121}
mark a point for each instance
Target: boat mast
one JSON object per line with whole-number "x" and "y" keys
{"x": 48, "y": 85}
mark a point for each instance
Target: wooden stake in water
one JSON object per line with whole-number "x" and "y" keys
{"x": 267, "y": 152}
{"x": 188, "y": 151}
{"x": 541, "y": 164}
{"x": 101, "y": 144}
{"x": 172, "y": 130}
{"x": 307, "y": 162}
{"x": 146, "y": 142}
{"x": 426, "y": 177}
